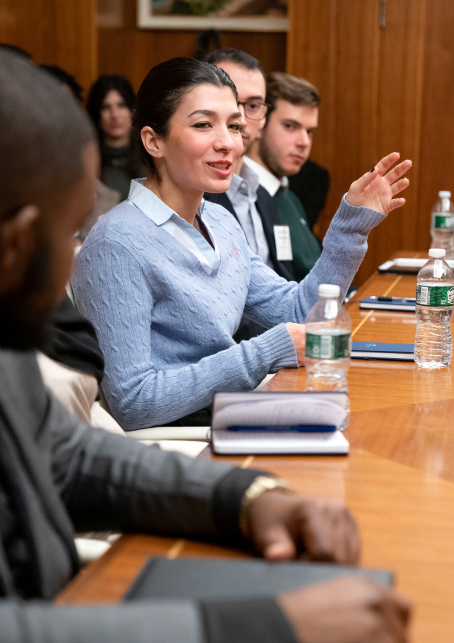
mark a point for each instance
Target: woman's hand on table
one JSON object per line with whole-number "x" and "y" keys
{"x": 347, "y": 610}
{"x": 376, "y": 189}
{"x": 298, "y": 335}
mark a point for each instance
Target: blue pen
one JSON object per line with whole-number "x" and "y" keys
{"x": 298, "y": 428}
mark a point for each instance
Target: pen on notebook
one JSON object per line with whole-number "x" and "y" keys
{"x": 410, "y": 300}
{"x": 298, "y": 428}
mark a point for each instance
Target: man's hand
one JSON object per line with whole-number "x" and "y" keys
{"x": 298, "y": 335}
{"x": 347, "y": 610}
{"x": 283, "y": 526}
{"x": 376, "y": 189}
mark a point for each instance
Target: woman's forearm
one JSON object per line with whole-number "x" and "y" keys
{"x": 140, "y": 396}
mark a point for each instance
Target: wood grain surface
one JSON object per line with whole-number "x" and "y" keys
{"x": 398, "y": 479}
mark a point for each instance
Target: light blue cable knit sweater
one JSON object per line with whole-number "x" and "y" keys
{"x": 165, "y": 326}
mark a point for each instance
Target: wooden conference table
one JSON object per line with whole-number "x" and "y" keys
{"x": 398, "y": 479}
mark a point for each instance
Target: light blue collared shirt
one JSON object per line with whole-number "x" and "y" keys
{"x": 152, "y": 206}
{"x": 242, "y": 194}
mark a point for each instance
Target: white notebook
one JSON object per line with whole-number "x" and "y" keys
{"x": 280, "y": 423}
{"x": 254, "y": 443}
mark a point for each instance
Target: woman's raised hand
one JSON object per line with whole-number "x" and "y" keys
{"x": 376, "y": 189}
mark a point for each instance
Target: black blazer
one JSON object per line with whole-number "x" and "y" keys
{"x": 311, "y": 186}
{"x": 268, "y": 213}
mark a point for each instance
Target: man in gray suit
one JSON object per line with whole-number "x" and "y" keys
{"x": 58, "y": 475}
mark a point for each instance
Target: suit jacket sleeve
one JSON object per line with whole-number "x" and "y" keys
{"x": 157, "y": 621}
{"x": 151, "y": 621}
{"x": 108, "y": 481}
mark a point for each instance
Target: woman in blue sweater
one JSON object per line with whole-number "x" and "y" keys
{"x": 165, "y": 277}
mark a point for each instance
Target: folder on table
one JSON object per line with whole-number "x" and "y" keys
{"x": 211, "y": 578}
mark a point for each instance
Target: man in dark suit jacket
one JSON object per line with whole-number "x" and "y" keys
{"x": 250, "y": 203}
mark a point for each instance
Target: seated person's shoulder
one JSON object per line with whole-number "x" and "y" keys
{"x": 311, "y": 173}
{"x": 315, "y": 169}
{"x": 123, "y": 224}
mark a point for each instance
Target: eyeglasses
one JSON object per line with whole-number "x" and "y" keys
{"x": 254, "y": 109}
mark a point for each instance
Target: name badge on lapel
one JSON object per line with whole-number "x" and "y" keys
{"x": 283, "y": 243}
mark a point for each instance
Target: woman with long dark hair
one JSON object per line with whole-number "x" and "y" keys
{"x": 166, "y": 277}
{"x": 110, "y": 104}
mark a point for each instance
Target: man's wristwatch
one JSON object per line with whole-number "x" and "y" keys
{"x": 259, "y": 486}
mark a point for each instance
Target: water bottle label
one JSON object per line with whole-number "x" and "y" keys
{"x": 443, "y": 221}
{"x": 434, "y": 295}
{"x": 327, "y": 346}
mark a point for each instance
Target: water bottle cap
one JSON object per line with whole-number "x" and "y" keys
{"x": 329, "y": 290}
{"x": 444, "y": 194}
{"x": 437, "y": 253}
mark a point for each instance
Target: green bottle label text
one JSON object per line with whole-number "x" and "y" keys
{"x": 327, "y": 345}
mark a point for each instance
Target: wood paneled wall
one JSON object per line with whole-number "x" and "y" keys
{"x": 335, "y": 45}
{"x": 55, "y": 32}
{"x": 132, "y": 52}
{"x": 383, "y": 89}
{"x": 436, "y": 168}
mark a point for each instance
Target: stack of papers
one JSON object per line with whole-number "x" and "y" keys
{"x": 206, "y": 579}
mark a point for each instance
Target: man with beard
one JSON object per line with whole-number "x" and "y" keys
{"x": 57, "y": 474}
{"x": 284, "y": 146}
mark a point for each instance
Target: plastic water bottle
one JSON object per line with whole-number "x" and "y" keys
{"x": 434, "y": 305}
{"x": 328, "y": 342}
{"x": 442, "y": 224}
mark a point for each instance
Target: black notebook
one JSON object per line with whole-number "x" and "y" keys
{"x": 213, "y": 578}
